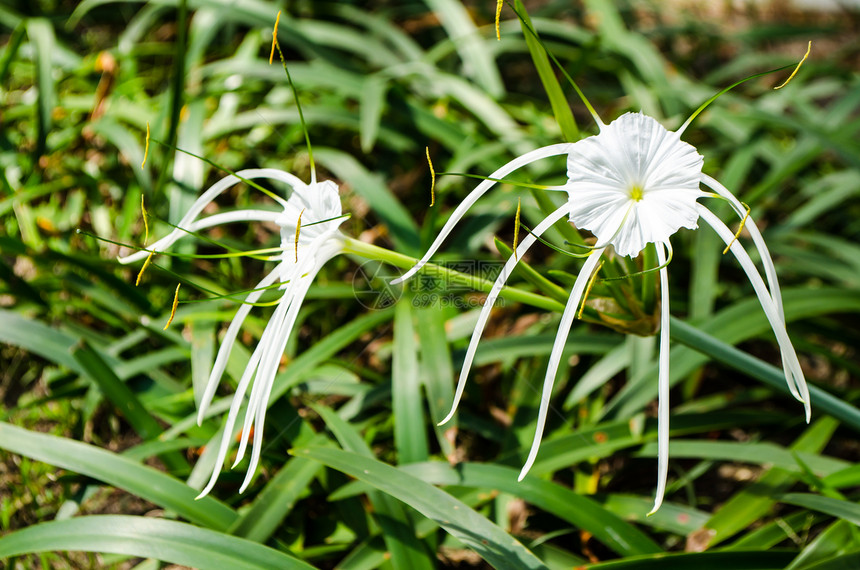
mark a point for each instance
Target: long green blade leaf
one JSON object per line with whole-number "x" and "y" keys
{"x": 170, "y": 541}
{"x": 121, "y": 472}
{"x": 493, "y": 544}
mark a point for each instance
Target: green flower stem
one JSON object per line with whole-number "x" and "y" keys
{"x": 371, "y": 251}
{"x": 649, "y": 261}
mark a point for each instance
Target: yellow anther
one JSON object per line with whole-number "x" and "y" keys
{"x": 145, "y": 222}
{"x": 498, "y": 15}
{"x": 738, "y": 233}
{"x": 796, "y": 69}
{"x": 274, "y": 38}
{"x": 517, "y": 227}
{"x": 173, "y": 308}
{"x": 142, "y": 269}
{"x": 298, "y": 229}
{"x": 146, "y": 146}
{"x": 588, "y": 290}
{"x": 432, "y": 177}
{"x": 636, "y": 193}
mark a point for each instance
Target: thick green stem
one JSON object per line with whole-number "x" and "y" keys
{"x": 371, "y": 251}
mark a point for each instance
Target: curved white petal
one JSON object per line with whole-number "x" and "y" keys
{"x": 761, "y": 246}
{"x": 557, "y": 348}
{"x": 271, "y": 357}
{"x": 463, "y": 207}
{"x": 755, "y": 234}
{"x": 207, "y": 197}
{"x": 227, "y": 435}
{"x": 275, "y": 344}
{"x": 228, "y": 341}
{"x": 267, "y": 380}
{"x": 795, "y": 380}
{"x": 523, "y": 247}
{"x": 663, "y": 385}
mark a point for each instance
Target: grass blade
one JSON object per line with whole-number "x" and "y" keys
{"x": 582, "y": 512}
{"x": 121, "y": 472}
{"x": 170, "y": 541}
{"x": 492, "y": 543}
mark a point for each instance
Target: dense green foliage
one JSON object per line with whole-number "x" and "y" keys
{"x": 99, "y": 447}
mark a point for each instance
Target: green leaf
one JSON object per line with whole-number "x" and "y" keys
{"x": 675, "y": 518}
{"x": 557, "y": 100}
{"x": 437, "y": 371}
{"x": 405, "y": 549}
{"x": 370, "y": 186}
{"x": 828, "y": 505}
{"x": 580, "y": 511}
{"x": 747, "y": 560}
{"x": 757, "y": 453}
{"x": 170, "y": 541}
{"x": 754, "y": 502}
{"x": 121, "y": 396}
{"x": 741, "y": 321}
{"x": 38, "y": 338}
{"x": 410, "y": 424}
{"x": 837, "y": 540}
{"x": 121, "y": 472}
{"x": 277, "y": 498}
{"x": 42, "y": 38}
{"x": 469, "y": 43}
{"x": 370, "y": 110}
{"x": 491, "y": 542}
{"x": 760, "y": 370}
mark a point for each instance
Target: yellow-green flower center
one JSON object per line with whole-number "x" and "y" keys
{"x": 636, "y": 193}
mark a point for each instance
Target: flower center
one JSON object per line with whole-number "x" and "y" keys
{"x": 636, "y": 193}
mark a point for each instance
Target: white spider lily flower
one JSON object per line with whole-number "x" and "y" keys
{"x": 632, "y": 184}
{"x": 311, "y": 215}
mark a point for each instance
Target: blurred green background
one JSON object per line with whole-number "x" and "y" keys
{"x": 99, "y": 448}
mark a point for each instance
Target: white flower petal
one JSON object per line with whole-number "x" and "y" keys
{"x": 522, "y": 248}
{"x": 758, "y": 240}
{"x": 228, "y": 341}
{"x": 633, "y": 184}
{"x": 266, "y": 349}
{"x": 555, "y": 355}
{"x": 268, "y": 378}
{"x": 317, "y": 207}
{"x": 480, "y": 190}
{"x": 663, "y": 385}
{"x": 232, "y": 415}
{"x": 795, "y": 379}
{"x": 204, "y": 200}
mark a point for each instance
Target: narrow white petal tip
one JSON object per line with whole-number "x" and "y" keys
{"x": 448, "y": 417}
{"x": 655, "y": 509}
{"x": 202, "y": 494}
{"x": 525, "y": 471}
{"x": 407, "y": 275}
